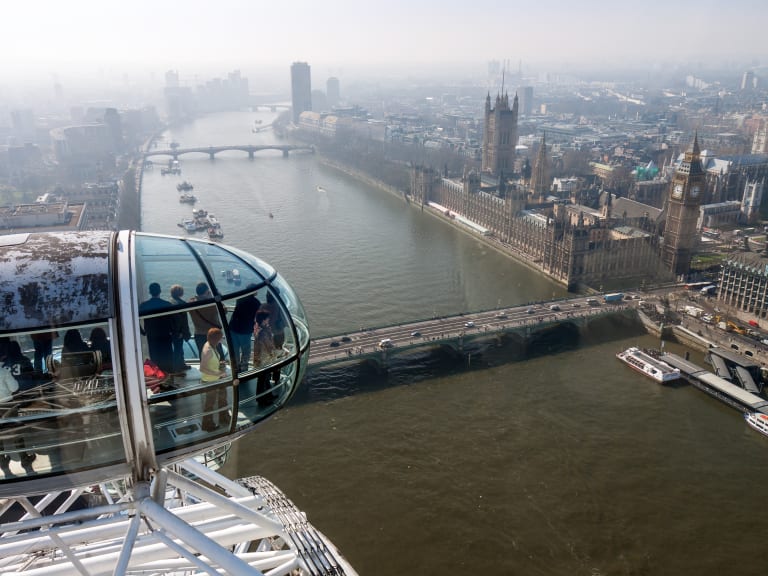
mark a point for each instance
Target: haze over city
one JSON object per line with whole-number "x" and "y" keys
{"x": 84, "y": 40}
{"x": 500, "y": 262}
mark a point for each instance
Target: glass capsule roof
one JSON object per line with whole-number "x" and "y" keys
{"x": 54, "y": 279}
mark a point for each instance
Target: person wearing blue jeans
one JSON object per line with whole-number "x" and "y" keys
{"x": 241, "y": 328}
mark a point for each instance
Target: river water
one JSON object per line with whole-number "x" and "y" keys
{"x": 566, "y": 463}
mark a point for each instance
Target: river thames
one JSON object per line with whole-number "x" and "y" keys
{"x": 566, "y": 463}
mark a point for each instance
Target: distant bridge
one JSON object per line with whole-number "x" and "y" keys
{"x": 522, "y": 321}
{"x": 213, "y": 150}
{"x": 272, "y": 107}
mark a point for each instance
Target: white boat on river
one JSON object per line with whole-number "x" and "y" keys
{"x": 648, "y": 365}
{"x": 758, "y": 421}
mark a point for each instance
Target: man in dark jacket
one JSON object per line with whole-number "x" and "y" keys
{"x": 241, "y": 328}
{"x": 158, "y": 329}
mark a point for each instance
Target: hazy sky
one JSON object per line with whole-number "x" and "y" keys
{"x": 162, "y": 34}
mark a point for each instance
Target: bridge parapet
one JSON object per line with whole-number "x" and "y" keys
{"x": 456, "y": 332}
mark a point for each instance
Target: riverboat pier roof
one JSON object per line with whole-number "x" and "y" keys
{"x": 717, "y": 387}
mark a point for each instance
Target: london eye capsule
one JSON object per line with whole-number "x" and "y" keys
{"x": 101, "y": 338}
{"x": 127, "y": 360}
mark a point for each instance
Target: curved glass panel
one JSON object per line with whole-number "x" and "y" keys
{"x": 264, "y": 269}
{"x": 303, "y": 332}
{"x": 268, "y": 368}
{"x": 289, "y": 298}
{"x": 302, "y": 370}
{"x": 167, "y": 272}
{"x": 54, "y": 279}
{"x": 241, "y": 321}
{"x": 228, "y": 271}
{"x": 182, "y": 417}
{"x": 258, "y": 397}
{"x": 202, "y": 319}
{"x": 58, "y": 402}
{"x": 284, "y": 386}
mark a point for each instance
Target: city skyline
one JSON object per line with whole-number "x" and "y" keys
{"x": 83, "y": 36}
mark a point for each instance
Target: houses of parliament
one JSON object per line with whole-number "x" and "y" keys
{"x": 622, "y": 242}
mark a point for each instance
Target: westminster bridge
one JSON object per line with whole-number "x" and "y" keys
{"x": 525, "y": 323}
{"x": 249, "y": 149}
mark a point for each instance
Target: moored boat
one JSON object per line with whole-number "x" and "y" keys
{"x": 174, "y": 167}
{"x": 648, "y": 365}
{"x": 758, "y": 421}
{"x": 187, "y": 198}
{"x": 184, "y": 186}
{"x": 189, "y": 225}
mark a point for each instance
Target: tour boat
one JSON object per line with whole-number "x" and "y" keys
{"x": 758, "y": 421}
{"x": 184, "y": 186}
{"x": 187, "y": 198}
{"x": 648, "y": 365}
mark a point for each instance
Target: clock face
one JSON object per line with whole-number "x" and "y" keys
{"x": 677, "y": 191}
{"x": 695, "y": 191}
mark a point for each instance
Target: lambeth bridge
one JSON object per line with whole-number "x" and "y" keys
{"x": 213, "y": 150}
{"x": 526, "y": 324}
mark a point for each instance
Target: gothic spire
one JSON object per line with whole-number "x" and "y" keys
{"x": 695, "y": 149}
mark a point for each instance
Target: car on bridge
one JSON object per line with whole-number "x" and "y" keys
{"x": 501, "y": 315}
{"x": 469, "y": 324}
{"x": 415, "y": 334}
{"x": 386, "y": 343}
{"x": 333, "y": 343}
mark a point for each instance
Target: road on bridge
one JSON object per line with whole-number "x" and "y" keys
{"x": 368, "y": 341}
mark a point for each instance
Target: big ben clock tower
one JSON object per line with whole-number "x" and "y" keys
{"x": 680, "y": 233}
